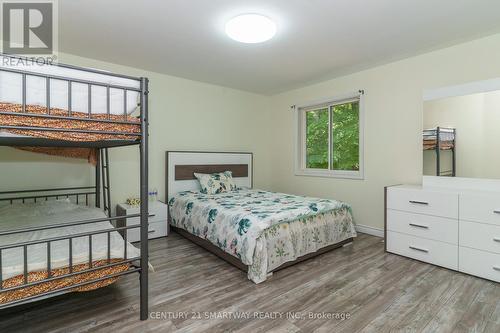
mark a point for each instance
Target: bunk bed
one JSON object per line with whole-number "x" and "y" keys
{"x": 441, "y": 139}
{"x": 59, "y": 240}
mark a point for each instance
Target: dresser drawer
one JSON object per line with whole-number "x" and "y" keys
{"x": 421, "y": 201}
{"x": 480, "y": 236}
{"x": 480, "y": 207}
{"x": 155, "y": 230}
{"x": 137, "y": 220}
{"x": 431, "y": 251}
{"x": 480, "y": 263}
{"x": 158, "y": 210}
{"x": 425, "y": 226}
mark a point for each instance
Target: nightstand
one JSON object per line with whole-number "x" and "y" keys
{"x": 157, "y": 223}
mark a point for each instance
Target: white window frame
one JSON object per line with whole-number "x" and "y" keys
{"x": 300, "y": 137}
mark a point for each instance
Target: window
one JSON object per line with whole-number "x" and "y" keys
{"x": 330, "y": 138}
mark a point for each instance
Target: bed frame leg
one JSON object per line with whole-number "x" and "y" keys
{"x": 144, "y": 201}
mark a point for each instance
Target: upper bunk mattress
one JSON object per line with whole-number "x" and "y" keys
{"x": 101, "y": 119}
{"x": 11, "y": 88}
{"x": 263, "y": 229}
{"x": 109, "y": 130}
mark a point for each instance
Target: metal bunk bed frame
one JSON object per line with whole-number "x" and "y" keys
{"x": 102, "y": 167}
{"x": 437, "y": 149}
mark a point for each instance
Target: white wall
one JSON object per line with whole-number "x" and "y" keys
{"x": 476, "y": 118}
{"x": 393, "y": 146}
{"x": 184, "y": 115}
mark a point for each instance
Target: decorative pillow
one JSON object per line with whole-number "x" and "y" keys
{"x": 216, "y": 182}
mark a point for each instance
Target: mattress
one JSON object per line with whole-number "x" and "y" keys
{"x": 430, "y": 144}
{"x": 11, "y": 88}
{"x": 262, "y": 229}
{"x": 131, "y": 126}
{"x": 38, "y": 214}
{"x": 63, "y": 283}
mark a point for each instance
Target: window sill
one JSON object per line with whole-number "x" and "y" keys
{"x": 330, "y": 174}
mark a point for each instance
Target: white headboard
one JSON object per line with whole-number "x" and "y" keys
{"x": 181, "y": 165}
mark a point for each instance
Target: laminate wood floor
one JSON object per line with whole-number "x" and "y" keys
{"x": 379, "y": 292}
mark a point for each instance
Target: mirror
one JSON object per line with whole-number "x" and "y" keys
{"x": 461, "y": 136}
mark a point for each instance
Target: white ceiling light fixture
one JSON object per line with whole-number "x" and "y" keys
{"x": 251, "y": 28}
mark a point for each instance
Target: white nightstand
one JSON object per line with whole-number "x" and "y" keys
{"x": 157, "y": 223}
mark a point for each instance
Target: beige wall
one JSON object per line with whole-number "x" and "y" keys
{"x": 476, "y": 118}
{"x": 393, "y": 148}
{"x": 192, "y": 115}
{"x": 184, "y": 115}
{"x": 23, "y": 170}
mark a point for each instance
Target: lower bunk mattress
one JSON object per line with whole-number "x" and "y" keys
{"x": 264, "y": 230}
{"x": 18, "y": 215}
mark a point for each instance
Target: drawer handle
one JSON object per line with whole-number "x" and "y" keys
{"x": 418, "y": 249}
{"x": 496, "y": 239}
{"x": 420, "y": 202}
{"x": 496, "y": 268}
{"x": 496, "y": 211}
{"x": 151, "y": 231}
{"x": 421, "y": 226}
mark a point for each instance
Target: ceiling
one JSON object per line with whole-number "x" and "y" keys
{"x": 316, "y": 39}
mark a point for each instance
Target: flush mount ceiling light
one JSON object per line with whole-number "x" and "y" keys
{"x": 251, "y": 28}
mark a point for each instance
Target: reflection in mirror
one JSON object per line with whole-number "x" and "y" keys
{"x": 461, "y": 136}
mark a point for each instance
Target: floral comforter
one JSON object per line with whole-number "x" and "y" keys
{"x": 263, "y": 229}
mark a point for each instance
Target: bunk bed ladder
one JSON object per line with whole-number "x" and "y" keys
{"x": 98, "y": 179}
{"x": 438, "y": 151}
{"x": 104, "y": 159}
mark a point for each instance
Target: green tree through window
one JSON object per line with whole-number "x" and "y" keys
{"x": 343, "y": 145}
{"x": 317, "y": 139}
{"x": 345, "y": 136}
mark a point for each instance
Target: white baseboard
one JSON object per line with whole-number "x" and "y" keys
{"x": 370, "y": 230}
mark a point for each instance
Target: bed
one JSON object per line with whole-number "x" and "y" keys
{"x": 440, "y": 139}
{"x": 439, "y": 136}
{"x": 50, "y": 247}
{"x": 258, "y": 231}
{"x": 33, "y": 215}
{"x": 66, "y": 103}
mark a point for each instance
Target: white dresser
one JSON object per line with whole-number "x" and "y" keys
{"x": 157, "y": 220}
{"x": 454, "y": 227}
